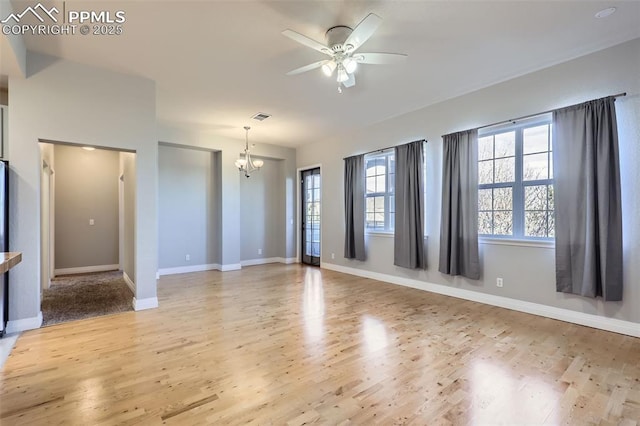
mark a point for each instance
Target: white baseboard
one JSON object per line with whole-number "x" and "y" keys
{"x": 231, "y": 267}
{"x": 224, "y": 268}
{"x": 24, "y": 324}
{"x": 142, "y": 304}
{"x": 187, "y": 269}
{"x": 129, "y": 282}
{"x": 595, "y": 321}
{"x": 253, "y": 262}
{"x": 86, "y": 269}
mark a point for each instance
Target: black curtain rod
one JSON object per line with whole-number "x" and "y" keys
{"x": 513, "y": 120}
{"x": 384, "y": 149}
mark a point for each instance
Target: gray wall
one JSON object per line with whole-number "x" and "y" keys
{"x": 188, "y": 207}
{"x": 231, "y": 249}
{"x": 528, "y": 271}
{"x": 128, "y": 172}
{"x": 262, "y": 212}
{"x": 66, "y": 101}
{"x": 86, "y": 188}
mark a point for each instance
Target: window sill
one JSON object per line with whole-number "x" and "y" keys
{"x": 379, "y": 234}
{"x": 384, "y": 234}
{"x": 522, "y": 243}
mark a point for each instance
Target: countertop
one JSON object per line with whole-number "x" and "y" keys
{"x": 9, "y": 260}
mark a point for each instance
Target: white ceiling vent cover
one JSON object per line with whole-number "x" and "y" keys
{"x": 261, "y": 116}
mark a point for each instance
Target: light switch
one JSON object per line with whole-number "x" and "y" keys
{"x": 92, "y": 222}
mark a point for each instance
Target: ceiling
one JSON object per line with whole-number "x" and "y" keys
{"x": 217, "y": 63}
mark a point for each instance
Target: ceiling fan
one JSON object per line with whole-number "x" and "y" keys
{"x": 341, "y": 45}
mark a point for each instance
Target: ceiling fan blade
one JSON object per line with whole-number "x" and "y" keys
{"x": 363, "y": 31}
{"x": 307, "y": 42}
{"x": 308, "y": 67}
{"x": 379, "y": 58}
{"x": 351, "y": 81}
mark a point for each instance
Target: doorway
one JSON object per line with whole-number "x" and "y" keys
{"x": 310, "y": 224}
{"x": 87, "y": 237}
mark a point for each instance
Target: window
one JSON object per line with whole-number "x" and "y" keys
{"x": 515, "y": 177}
{"x": 380, "y": 208}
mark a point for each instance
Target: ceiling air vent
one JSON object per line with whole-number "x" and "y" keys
{"x": 261, "y": 116}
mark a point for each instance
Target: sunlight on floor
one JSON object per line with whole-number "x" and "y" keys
{"x": 313, "y": 306}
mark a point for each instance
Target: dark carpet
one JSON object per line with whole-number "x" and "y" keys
{"x": 74, "y": 297}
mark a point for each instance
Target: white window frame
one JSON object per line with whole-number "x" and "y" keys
{"x": 518, "y": 185}
{"x": 388, "y": 192}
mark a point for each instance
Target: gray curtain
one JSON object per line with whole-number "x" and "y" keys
{"x": 408, "y": 237}
{"x": 459, "y": 220}
{"x": 588, "y": 213}
{"x": 354, "y": 207}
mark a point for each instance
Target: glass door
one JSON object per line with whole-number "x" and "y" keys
{"x": 310, "y": 242}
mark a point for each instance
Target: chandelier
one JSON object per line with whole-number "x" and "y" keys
{"x": 245, "y": 163}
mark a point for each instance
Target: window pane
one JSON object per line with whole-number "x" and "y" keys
{"x": 505, "y": 170}
{"x": 535, "y": 166}
{"x": 380, "y": 183}
{"x": 370, "y": 203}
{"x": 485, "y": 148}
{"x": 505, "y": 144}
{"x": 535, "y": 224}
{"x": 371, "y": 185}
{"x": 484, "y": 223}
{"x": 535, "y": 197}
{"x": 503, "y": 223}
{"x": 370, "y": 168}
{"x": 370, "y": 220}
{"x": 498, "y": 209}
{"x": 392, "y": 203}
{"x": 502, "y": 199}
{"x": 485, "y": 172}
{"x": 316, "y": 181}
{"x": 316, "y": 194}
{"x": 551, "y": 224}
{"x": 484, "y": 199}
{"x": 536, "y": 139}
{"x": 379, "y": 204}
{"x": 375, "y": 166}
{"x": 392, "y": 221}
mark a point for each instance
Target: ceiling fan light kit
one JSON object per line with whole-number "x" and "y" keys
{"x": 342, "y": 74}
{"x": 341, "y": 43}
{"x": 350, "y": 64}
{"x": 328, "y": 68}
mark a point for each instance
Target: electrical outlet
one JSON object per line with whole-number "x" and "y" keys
{"x": 92, "y": 222}
{"x": 187, "y": 257}
{"x": 333, "y": 255}
{"x": 499, "y": 282}
{"x": 259, "y": 251}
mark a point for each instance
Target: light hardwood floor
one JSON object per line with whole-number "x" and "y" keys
{"x": 287, "y": 344}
